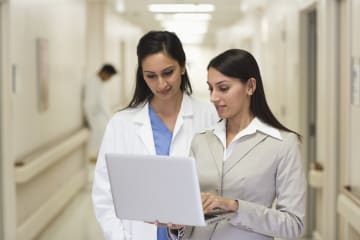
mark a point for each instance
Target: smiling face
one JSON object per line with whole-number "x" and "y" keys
{"x": 162, "y": 75}
{"x": 229, "y": 95}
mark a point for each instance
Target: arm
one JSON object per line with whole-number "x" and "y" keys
{"x": 287, "y": 219}
{"x": 112, "y": 227}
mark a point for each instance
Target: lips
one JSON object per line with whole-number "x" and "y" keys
{"x": 220, "y": 108}
{"x": 164, "y": 91}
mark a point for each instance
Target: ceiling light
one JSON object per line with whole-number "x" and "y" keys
{"x": 190, "y": 38}
{"x": 183, "y": 26}
{"x": 183, "y": 17}
{"x": 120, "y": 5}
{"x": 181, "y": 7}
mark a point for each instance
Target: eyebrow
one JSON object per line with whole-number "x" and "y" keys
{"x": 218, "y": 83}
{"x": 167, "y": 68}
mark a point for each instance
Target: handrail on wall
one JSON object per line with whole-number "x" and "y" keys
{"x": 316, "y": 178}
{"x": 38, "y": 162}
{"x": 349, "y": 209}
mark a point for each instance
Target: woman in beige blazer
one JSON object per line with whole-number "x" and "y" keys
{"x": 248, "y": 162}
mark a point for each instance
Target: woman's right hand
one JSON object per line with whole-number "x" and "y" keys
{"x": 211, "y": 201}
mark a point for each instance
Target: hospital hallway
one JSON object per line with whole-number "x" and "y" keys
{"x": 308, "y": 53}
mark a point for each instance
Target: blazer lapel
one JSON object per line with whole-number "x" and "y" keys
{"x": 217, "y": 152}
{"x": 243, "y": 149}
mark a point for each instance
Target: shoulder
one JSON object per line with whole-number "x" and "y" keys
{"x": 126, "y": 115}
{"x": 207, "y": 134}
{"x": 289, "y": 138}
{"x": 290, "y": 142}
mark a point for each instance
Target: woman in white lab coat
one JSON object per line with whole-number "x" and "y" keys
{"x": 162, "y": 99}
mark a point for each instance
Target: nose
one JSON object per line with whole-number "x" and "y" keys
{"x": 213, "y": 96}
{"x": 162, "y": 83}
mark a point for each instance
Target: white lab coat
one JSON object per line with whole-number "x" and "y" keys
{"x": 97, "y": 111}
{"x": 129, "y": 131}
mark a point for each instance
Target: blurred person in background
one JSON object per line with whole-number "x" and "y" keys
{"x": 96, "y": 107}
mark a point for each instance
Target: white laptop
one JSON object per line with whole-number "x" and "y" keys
{"x": 158, "y": 188}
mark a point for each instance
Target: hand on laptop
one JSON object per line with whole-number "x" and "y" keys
{"x": 211, "y": 201}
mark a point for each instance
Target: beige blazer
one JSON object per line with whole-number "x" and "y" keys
{"x": 261, "y": 172}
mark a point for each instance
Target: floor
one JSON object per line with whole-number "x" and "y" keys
{"x": 77, "y": 221}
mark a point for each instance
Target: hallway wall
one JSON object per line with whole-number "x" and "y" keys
{"x": 277, "y": 25}
{"x": 46, "y": 140}
{"x": 39, "y": 128}
{"x": 53, "y": 21}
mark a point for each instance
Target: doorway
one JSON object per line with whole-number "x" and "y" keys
{"x": 309, "y": 109}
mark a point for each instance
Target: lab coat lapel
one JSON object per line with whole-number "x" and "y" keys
{"x": 243, "y": 149}
{"x": 217, "y": 152}
{"x": 180, "y": 137}
{"x": 144, "y": 131}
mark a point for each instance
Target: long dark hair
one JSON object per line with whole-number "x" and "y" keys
{"x": 151, "y": 43}
{"x": 240, "y": 64}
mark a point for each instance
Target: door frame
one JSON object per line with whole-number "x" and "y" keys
{"x": 7, "y": 173}
{"x": 307, "y": 109}
{"x": 1, "y": 136}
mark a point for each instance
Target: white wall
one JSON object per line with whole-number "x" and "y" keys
{"x": 62, "y": 23}
{"x": 33, "y": 131}
{"x": 197, "y": 59}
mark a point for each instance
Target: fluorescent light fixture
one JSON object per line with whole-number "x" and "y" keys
{"x": 120, "y": 5}
{"x": 190, "y": 38}
{"x": 181, "y": 7}
{"x": 183, "y": 17}
{"x": 183, "y": 26}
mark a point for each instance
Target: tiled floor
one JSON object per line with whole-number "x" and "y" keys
{"x": 77, "y": 221}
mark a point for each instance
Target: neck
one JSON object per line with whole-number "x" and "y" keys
{"x": 236, "y": 124}
{"x": 167, "y": 108}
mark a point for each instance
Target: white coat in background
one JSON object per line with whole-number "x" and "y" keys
{"x": 129, "y": 131}
{"x": 97, "y": 112}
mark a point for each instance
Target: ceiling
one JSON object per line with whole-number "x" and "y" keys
{"x": 226, "y": 13}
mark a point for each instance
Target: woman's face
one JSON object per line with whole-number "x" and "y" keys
{"x": 229, "y": 95}
{"x": 162, "y": 74}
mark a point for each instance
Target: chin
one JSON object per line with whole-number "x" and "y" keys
{"x": 222, "y": 116}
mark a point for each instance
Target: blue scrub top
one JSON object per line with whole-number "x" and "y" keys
{"x": 162, "y": 139}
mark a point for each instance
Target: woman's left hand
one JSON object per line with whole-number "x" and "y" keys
{"x": 211, "y": 201}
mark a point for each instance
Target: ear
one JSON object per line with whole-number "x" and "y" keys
{"x": 251, "y": 86}
{"x": 183, "y": 70}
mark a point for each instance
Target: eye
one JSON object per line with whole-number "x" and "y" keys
{"x": 168, "y": 72}
{"x": 150, "y": 76}
{"x": 223, "y": 88}
{"x": 210, "y": 89}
